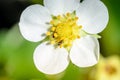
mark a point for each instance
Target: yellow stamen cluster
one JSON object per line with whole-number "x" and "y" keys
{"x": 64, "y": 30}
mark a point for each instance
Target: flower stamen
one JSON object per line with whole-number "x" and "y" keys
{"x": 64, "y": 30}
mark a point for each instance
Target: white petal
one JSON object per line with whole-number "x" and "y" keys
{"x": 33, "y": 32}
{"x": 33, "y": 22}
{"x": 36, "y": 14}
{"x": 61, "y": 6}
{"x": 50, "y": 60}
{"x": 93, "y": 15}
{"x": 85, "y": 51}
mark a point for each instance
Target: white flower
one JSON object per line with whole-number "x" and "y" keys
{"x": 69, "y": 27}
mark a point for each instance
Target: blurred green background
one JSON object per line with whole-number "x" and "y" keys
{"x": 16, "y": 54}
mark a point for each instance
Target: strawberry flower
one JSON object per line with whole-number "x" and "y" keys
{"x": 68, "y": 32}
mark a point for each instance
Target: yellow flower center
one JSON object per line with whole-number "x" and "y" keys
{"x": 64, "y": 30}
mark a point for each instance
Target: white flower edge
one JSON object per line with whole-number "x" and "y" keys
{"x": 93, "y": 16}
{"x": 33, "y": 22}
{"x": 57, "y": 7}
{"x": 49, "y": 60}
{"x": 85, "y": 51}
